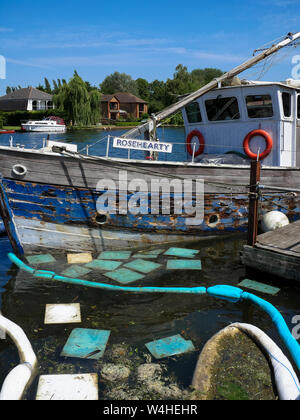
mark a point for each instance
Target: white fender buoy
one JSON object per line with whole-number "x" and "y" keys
{"x": 273, "y": 220}
{"x": 19, "y": 377}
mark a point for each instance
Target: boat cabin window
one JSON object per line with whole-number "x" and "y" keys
{"x": 259, "y": 106}
{"x": 193, "y": 112}
{"x": 287, "y": 104}
{"x": 221, "y": 109}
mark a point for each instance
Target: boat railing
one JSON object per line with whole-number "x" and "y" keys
{"x": 18, "y": 379}
{"x": 179, "y": 146}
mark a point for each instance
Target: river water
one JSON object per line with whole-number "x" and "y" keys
{"x": 132, "y": 319}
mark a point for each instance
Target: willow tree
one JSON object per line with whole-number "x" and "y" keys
{"x": 81, "y": 107}
{"x": 95, "y": 98}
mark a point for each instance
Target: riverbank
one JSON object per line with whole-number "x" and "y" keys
{"x": 115, "y": 127}
{"x": 12, "y": 127}
{"x": 18, "y": 129}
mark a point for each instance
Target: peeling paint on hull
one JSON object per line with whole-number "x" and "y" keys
{"x": 65, "y": 217}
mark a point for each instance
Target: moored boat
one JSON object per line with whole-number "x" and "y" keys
{"x": 50, "y": 124}
{"x": 56, "y": 197}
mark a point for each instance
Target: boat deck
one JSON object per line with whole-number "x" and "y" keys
{"x": 276, "y": 253}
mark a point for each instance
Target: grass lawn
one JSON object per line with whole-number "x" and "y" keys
{"x": 11, "y": 127}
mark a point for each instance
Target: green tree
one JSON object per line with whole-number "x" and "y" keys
{"x": 118, "y": 82}
{"x": 201, "y": 77}
{"x": 90, "y": 87}
{"x": 2, "y": 121}
{"x": 47, "y": 86}
{"x": 81, "y": 107}
{"x": 143, "y": 87}
{"x": 157, "y": 100}
{"x": 181, "y": 84}
{"x": 55, "y": 87}
{"x": 41, "y": 87}
{"x": 95, "y": 98}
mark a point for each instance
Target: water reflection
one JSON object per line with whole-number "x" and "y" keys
{"x": 98, "y": 140}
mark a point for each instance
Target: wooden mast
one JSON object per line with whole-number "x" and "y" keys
{"x": 172, "y": 109}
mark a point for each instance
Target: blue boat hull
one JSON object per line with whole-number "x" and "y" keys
{"x": 51, "y": 200}
{"x": 65, "y": 217}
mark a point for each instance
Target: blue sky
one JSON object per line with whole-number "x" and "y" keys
{"x": 144, "y": 39}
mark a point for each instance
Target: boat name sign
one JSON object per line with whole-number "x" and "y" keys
{"x": 150, "y": 146}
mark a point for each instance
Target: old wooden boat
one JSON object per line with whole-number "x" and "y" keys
{"x": 57, "y": 197}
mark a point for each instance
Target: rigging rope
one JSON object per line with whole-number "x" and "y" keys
{"x": 146, "y": 171}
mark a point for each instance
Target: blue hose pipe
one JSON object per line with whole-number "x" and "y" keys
{"x": 225, "y": 292}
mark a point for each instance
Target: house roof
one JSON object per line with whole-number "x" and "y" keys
{"x": 123, "y": 97}
{"x": 27, "y": 93}
{"x": 106, "y": 98}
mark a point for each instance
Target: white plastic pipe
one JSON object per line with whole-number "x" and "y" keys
{"x": 287, "y": 383}
{"x": 18, "y": 379}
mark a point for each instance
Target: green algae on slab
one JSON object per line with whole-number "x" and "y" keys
{"x": 184, "y": 265}
{"x": 182, "y": 252}
{"x": 76, "y": 271}
{"x": 142, "y": 266}
{"x": 152, "y": 253}
{"x": 259, "y": 287}
{"x": 86, "y": 343}
{"x": 114, "y": 255}
{"x": 103, "y": 265}
{"x": 124, "y": 276}
{"x": 40, "y": 259}
{"x": 169, "y": 346}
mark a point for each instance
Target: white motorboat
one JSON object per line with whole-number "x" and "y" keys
{"x": 49, "y": 124}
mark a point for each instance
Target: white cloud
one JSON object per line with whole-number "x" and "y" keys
{"x": 27, "y": 63}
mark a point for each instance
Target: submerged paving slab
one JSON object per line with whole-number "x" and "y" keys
{"x": 124, "y": 276}
{"x": 184, "y": 265}
{"x": 142, "y": 266}
{"x": 114, "y": 255}
{"x": 62, "y": 313}
{"x": 105, "y": 265}
{"x": 76, "y": 271}
{"x": 182, "y": 252}
{"x": 259, "y": 287}
{"x": 152, "y": 253}
{"x": 144, "y": 256}
{"x": 40, "y": 259}
{"x": 68, "y": 387}
{"x": 86, "y": 343}
{"x": 82, "y": 258}
{"x": 169, "y": 346}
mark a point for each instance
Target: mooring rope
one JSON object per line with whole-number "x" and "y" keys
{"x": 147, "y": 171}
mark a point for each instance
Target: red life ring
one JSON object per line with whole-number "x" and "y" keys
{"x": 195, "y": 133}
{"x": 269, "y": 144}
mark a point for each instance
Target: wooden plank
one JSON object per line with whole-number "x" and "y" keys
{"x": 281, "y": 251}
{"x": 285, "y": 240}
{"x": 274, "y": 263}
{"x": 71, "y": 171}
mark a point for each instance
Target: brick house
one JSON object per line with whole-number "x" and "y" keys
{"x": 122, "y": 104}
{"x": 26, "y": 99}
